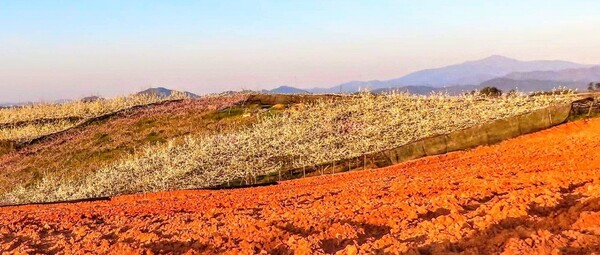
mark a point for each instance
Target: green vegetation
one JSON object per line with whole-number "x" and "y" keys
{"x": 145, "y": 123}
{"x": 102, "y": 138}
{"x": 230, "y": 112}
{"x": 594, "y": 86}
{"x": 491, "y": 92}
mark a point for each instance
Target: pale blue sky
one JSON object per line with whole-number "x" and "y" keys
{"x": 67, "y": 49}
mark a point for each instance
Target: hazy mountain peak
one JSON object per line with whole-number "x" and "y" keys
{"x": 284, "y": 89}
{"x": 164, "y": 92}
{"x": 495, "y": 60}
{"x": 499, "y": 57}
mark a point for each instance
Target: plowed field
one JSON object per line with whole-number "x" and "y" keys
{"x": 539, "y": 193}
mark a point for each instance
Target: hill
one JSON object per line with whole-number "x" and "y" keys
{"x": 83, "y": 149}
{"x": 286, "y": 90}
{"x": 285, "y": 140}
{"x": 514, "y": 197}
{"x": 76, "y": 151}
{"x": 164, "y": 92}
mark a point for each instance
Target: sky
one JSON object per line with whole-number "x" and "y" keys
{"x": 53, "y": 50}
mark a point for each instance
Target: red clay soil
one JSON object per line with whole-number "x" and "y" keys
{"x": 538, "y": 193}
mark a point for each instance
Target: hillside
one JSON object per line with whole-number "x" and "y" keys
{"x": 29, "y": 122}
{"x": 84, "y": 149}
{"x": 537, "y": 194}
{"x": 307, "y": 135}
{"x": 544, "y": 184}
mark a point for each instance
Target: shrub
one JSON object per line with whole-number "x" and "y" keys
{"x": 491, "y": 92}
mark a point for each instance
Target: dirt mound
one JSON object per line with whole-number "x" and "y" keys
{"x": 539, "y": 193}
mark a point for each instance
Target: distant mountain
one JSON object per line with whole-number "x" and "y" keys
{"x": 286, "y": 90}
{"x": 90, "y": 99}
{"x": 418, "y": 90}
{"x": 7, "y": 105}
{"x": 234, "y": 92}
{"x": 504, "y": 84}
{"x": 426, "y": 90}
{"x": 572, "y": 75}
{"x": 355, "y": 86}
{"x": 468, "y": 73}
{"x": 575, "y": 78}
{"x": 164, "y": 92}
{"x": 527, "y": 86}
{"x": 476, "y": 72}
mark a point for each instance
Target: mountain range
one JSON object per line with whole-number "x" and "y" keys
{"x": 497, "y": 71}
{"x": 494, "y": 71}
{"x": 502, "y": 72}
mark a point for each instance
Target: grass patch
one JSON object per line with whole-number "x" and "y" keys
{"x": 107, "y": 154}
{"x": 35, "y": 173}
{"x": 145, "y": 123}
{"x": 102, "y": 138}
{"x": 154, "y": 137}
{"x": 226, "y": 113}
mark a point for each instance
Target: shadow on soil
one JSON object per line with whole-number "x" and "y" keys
{"x": 492, "y": 240}
{"x": 371, "y": 232}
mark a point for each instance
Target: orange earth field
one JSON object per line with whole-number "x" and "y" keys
{"x": 538, "y": 193}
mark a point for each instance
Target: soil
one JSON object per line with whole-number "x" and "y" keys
{"x": 538, "y": 193}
